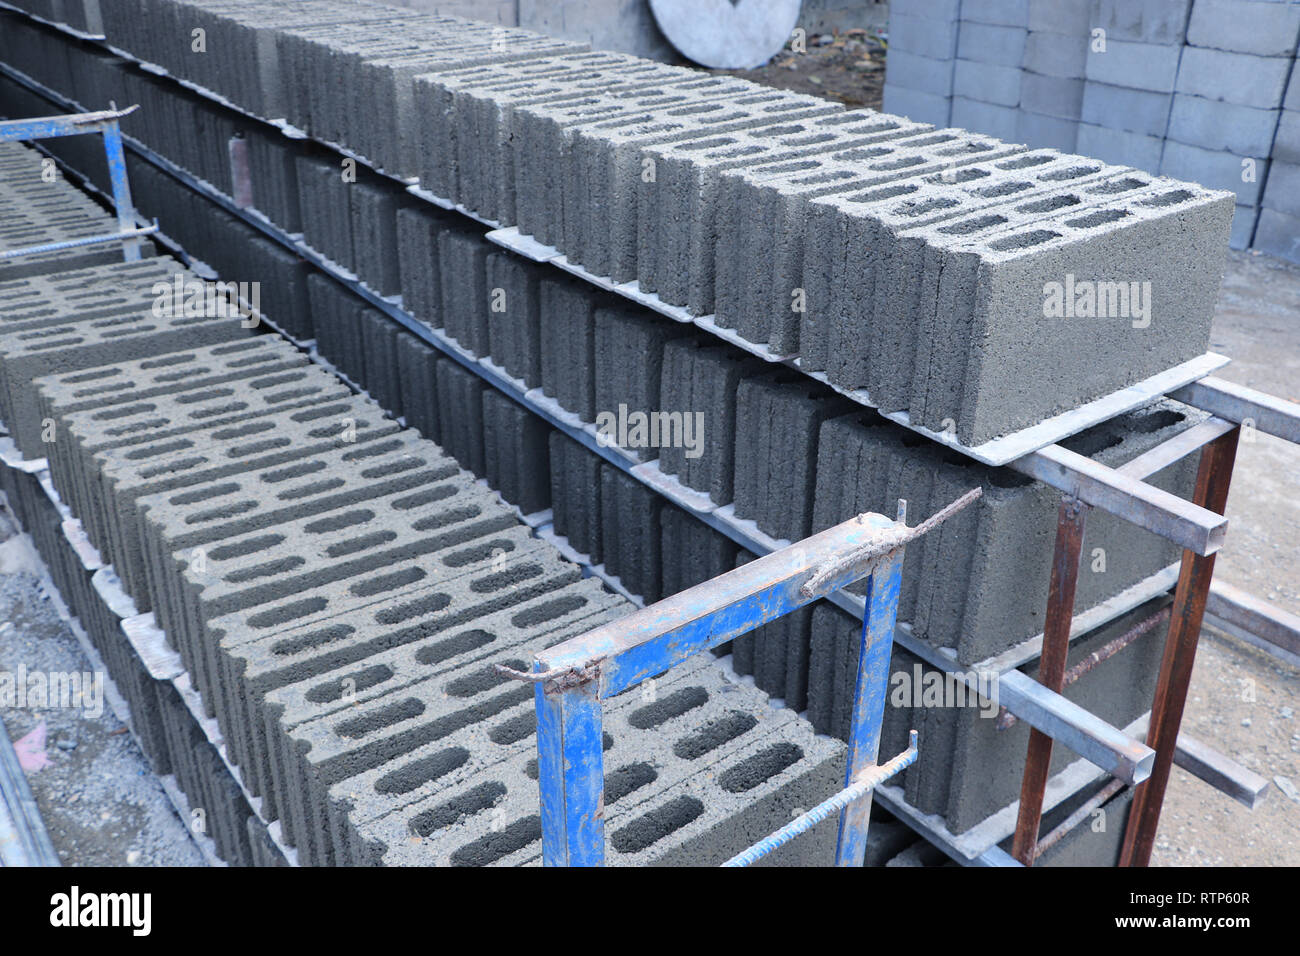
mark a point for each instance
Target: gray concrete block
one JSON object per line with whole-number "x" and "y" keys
{"x": 1050, "y": 131}
{"x": 465, "y": 309}
{"x": 986, "y": 43}
{"x": 1121, "y": 108}
{"x": 1138, "y": 66}
{"x": 1215, "y": 125}
{"x": 631, "y": 535}
{"x": 989, "y": 118}
{"x": 1245, "y": 26}
{"x": 1282, "y": 194}
{"x": 514, "y": 330}
{"x": 922, "y": 73}
{"x": 922, "y": 107}
{"x": 516, "y": 454}
{"x": 1065, "y": 17}
{"x": 1216, "y": 169}
{"x": 1234, "y": 77}
{"x": 1146, "y": 21}
{"x": 1013, "y": 13}
{"x": 567, "y": 311}
{"x": 1056, "y": 54}
{"x": 923, "y": 36}
{"x": 1121, "y": 147}
{"x": 575, "y": 496}
{"x": 986, "y": 82}
{"x": 1061, "y": 97}
{"x": 460, "y": 412}
{"x": 940, "y": 10}
{"x": 1278, "y": 234}
{"x": 1286, "y": 144}
{"x": 1243, "y": 226}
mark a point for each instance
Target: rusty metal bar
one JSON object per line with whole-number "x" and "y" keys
{"x": 1212, "y": 481}
{"x": 1105, "y": 652}
{"x": 1077, "y": 817}
{"x": 1070, "y": 521}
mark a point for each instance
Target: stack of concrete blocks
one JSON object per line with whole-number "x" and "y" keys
{"x": 986, "y": 85}
{"x": 1052, "y": 84}
{"x": 1278, "y": 229}
{"x": 1232, "y": 82}
{"x": 923, "y": 37}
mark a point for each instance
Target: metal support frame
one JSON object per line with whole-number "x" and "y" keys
{"x": 1212, "y": 481}
{"x": 574, "y": 677}
{"x": 105, "y": 122}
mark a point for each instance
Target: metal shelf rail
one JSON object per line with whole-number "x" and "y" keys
{"x": 1195, "y": 525}
{"x": 79, "y": 124}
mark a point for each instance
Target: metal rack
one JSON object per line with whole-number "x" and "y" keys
{"x": 1198, "y": 526}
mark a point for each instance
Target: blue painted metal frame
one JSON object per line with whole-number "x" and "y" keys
{"x": 79, "y": 124}
{"x": 574, "y": 677}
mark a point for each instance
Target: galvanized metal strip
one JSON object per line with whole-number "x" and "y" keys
{"x": 1190, "y": 526}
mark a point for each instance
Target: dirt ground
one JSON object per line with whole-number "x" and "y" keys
{"x": 848, "y": 67}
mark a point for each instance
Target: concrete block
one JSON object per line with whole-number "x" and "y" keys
{"x": 1145, "y": 21}
{"x": 1286, "y": 144}
{"x": 1243, "y": 227}
{"x": 1120, "y": 147}
{"x": 974, "y": 114}
{"x": 1050, "y": 131}
{"x": 1238, "y": 78}
{"x": 1135, "y": 65}
{"x": 631, "y": 536}
{"x": 1215, "y": 125}
{"x": 1282, "y": 193}
{"x": 922, "y": 73}
{"x": 465, "y": 309}
{"x": 1051, "y": 95}
{"x": 941, "y": 10}
{"x": 1011, "y": 13}
{"x": 986, "y": 43}
{"x": 1216, "y": 169}
{"x": 514, "y": 330}
{"x": 567, "y": 310}
{"x": 1065, "y": 17}
{"x": 923, "y": 36}
{"x": 575, "y": 496}
{"x": 1119, "y": 107}
{"x": 986, "y": 82}
{"x": 1278, "y": 234}
{"x": 516, "y": 455}
{"x": 1056, "y": 54}
{"x": 1245, "y": 26}
{"x": 629, "y": 348}
{"x": 922, "y": 107}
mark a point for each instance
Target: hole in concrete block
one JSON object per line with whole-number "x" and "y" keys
{"x": 968, "y": 226}
{"x": 242, "y": 431}
{"x": 714, "y": 734}
{"x": 477, "y": 800}
{"x": 243, "y": 548}
{"x": 548, "y": 611}
{"x": 887, "y": 192}
{"x": 313, "y": 639}
{"x": 102, "y": 389}
{"x": 900, "y": 162}
{"x": 269, "y": 569}
{"x": 426, "y": 496}
{"x": 428, "y": 604}
{"x": 1113, "y": 186}
{"x": 360, "y": 543}
{"x": 222, "y": 513}
{"x": 257, "y": 447}
{"x": 138, "y": 428}
{"x": 489, "y": 849}
{"x": 422, "y": 771}
{"x": 1100, "y": 218}
{"x": 619, "y": 783}
{"x": 166, "y": 448}
{"x": 1025, "y": 240}
{"x": 405, "y": 463}
{"x": 482, "y": 552}
{"x": 1092, "y": 441}
{"x": 448, "y": 517}
{"x": 293, "y": 471}
{"x": 312, "y": 488}
{"x": 1025, "y": 161}
{"x": 999, "y": 190}
{"x": 482, "y": 680}
{"x": 650, "y": 828}
{"x": 122, "y": 411}
{"x": 461, "y": 643}
{"x": 761, "y": 767}
{"x": 315, "y": 414}
{"x": 1168, "y": 199}
{"x": 363, "y": 679}
{"x": 373, "y": 449}
{"x": 515, "y": 729}
{"x": 348, "y": 519}
{"x": 505, "y": 579}
{"x": 926, "y": 206}
{"x": 287, "y": 613}
{"x": 674, "y": 705}
{"x": 381, "y": 718}
{"x": 91, "y": 376}
{"x": 388, "y": 582}
{"x": 1050, "y": 204}
{"x": 203, "y": 396}
{"x": 172, "y": 468}
{"x": 284, "y": 378}
{"x": 203, "y": 494}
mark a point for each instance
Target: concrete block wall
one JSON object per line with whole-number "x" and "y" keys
{"x": 1196, "y": 90}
